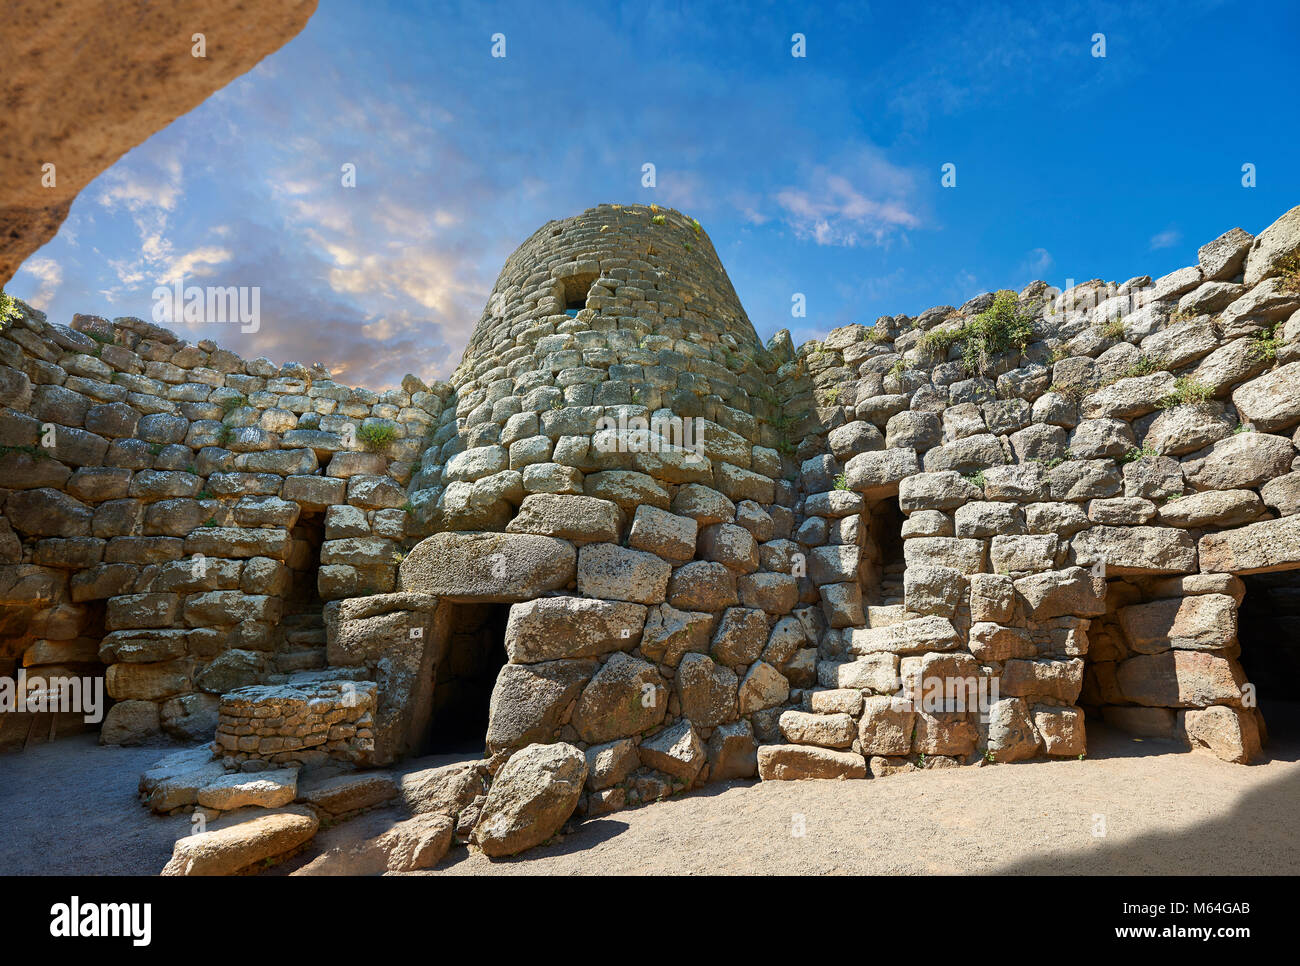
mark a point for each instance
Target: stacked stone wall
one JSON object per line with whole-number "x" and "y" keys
{"x": 151, "y": 491}
{"x": 1038, "y": 500}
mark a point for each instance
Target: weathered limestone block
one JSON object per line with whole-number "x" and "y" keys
{"x": 1185, "y": 429}
{"x": 616, "y": 573}
{"x": 552, "y": 628}
{"x": 1213, "y": 508}
{"x": 1231, "y": 733}
{"x": 842, "y": 604}
{"x": 1061, "y": 680}
{"x": 837, "y": 701}
{"x": 1023, "y": 553}
{"x": 610, "y": 763}
{"x": 833, "y": 564}
{"x": 917, "y": 636}
{"x": 265, "y": 789}
{"x": 1271, "y": 246}
{"x": 944, "y": 733}
{"x": 252, "y": 839}
{"x": 447, "y": 790}
{"x": 533, "y": 794}
{"x": 762, "y": 687}
{"x": 529, "y": 701}
{"x": 992, "y": 598}
{"x": 676, "y": 751}
{"x": 670, "y": 634}
{"x": 1256, "y": 548}
{"x": 741, "y": 484}
{"x": 1084, "y": 480}
{"x": 773, "y": 593}
{"x": 147, "y": 682}
{"x": 795, "y": 762}
{"x": 886, "y": 725}
{"x": 1135, "y": 550}
{"x": 835, "y": 730}
{"x": 934, "y": 591}
{"x": 1242, "y": 461}
{"x": 707, "y": 691}
{"x": 733, "y": 752}
{"x": 944, "y": 490}
{"x": 578, "y": 519}
{"x": 875, "y": 672}
{"x": 488, "y": 566}
{"x": 130, "y": 722}
{"x": 877, "y": 475}
{"x": 1203, "y": 622}
{"x": 344, "y": 794}
{"x": 1283, "y": 493}
{"x": 987, "y": 519}
{"x": 702, "y": 586}
{"x": 175, "y": 780}
{"x": 1062, "y": 730}
{"x": 964, "y": 555}
{"x": 1011, "y": 732}
{"x": 1224, "y": 257}
{"x": 740, "y": 637}
{"x": 668, "y": 535}
{"x": 703, "y": 504}
{"x": 624, "y": 698}
{"x": 1181, "y": 679}
{"x": 996, "y": 642}
{"x": 1129, "y": 398}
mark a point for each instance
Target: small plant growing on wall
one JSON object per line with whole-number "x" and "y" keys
{"x": 841, "y": 482}
{"x": 1289, "y": 271}
{"x": 1265, "y": 344}
{"x": 1188, "y": 391}
{"x": 376, "y": 436}
{"x": 9, "y": 310}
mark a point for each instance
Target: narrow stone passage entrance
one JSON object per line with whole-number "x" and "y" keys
{"x": 475, "y": 653}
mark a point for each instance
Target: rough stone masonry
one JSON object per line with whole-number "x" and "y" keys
{"x": 929, "y": 542}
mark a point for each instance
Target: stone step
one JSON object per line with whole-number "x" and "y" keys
{"x": 305, "y": 636}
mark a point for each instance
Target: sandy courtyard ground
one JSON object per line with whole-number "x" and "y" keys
{"x": 70, "y": 808}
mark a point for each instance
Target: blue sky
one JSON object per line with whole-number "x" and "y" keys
{"x": 818, "y": 175}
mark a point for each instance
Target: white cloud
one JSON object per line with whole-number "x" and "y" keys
{"x": 867, "y": 206}
{"x": 1037, "y": 262}
{"x": 143, "y": 185}
{"x": 48, "y": 275}
{"x": 1165, "y": 239}
{"x": 198, "y": 263}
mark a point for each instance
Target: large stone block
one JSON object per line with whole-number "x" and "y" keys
{"x": 500, "y": 567}
{"x": 617, "y": 573}
{"x": 551, "y": 628}
{"x": 1257, "y": 548}
{"x": 578, "y": 519}
{"x": 794, "y": 762}
{"x": 530, "y": 798}
{"x": 528, "y": 701}
{"x": 1200, "y": 623}
{"x": 1135, "y": 550}
{"x": 707, "y": 691}
{"x": 625, "y": 697}
{"x": 1181, "y": 679}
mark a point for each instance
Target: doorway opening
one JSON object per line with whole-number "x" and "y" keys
{"x": 472, "y": 657}
{"x": 886, "y": 533}
{"x": 302, "y": 620}
{"x": 1268, "y": 630}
